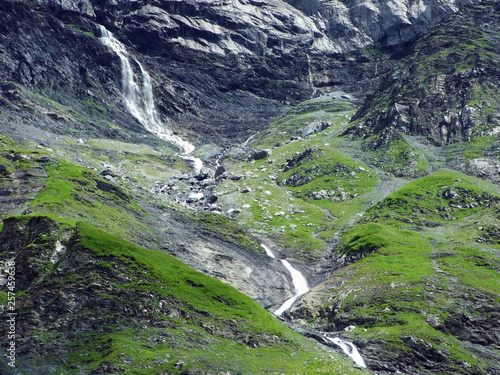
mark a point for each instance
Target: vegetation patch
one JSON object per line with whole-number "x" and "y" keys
{"x": 307, "y": 189}
{"x": 333, "y": 111}
{"x": 74, "y": 192}
{"x": 229, "y": 230}
{"x": 152, "y": 313}
{"x": 424, "y": 273}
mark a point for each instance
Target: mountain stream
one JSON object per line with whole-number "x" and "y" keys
{"x": 300, "y": 284}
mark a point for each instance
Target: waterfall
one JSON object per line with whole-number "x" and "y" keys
{"x": 309, "y": 70}
{"x": 268, "y": 251}
{"x": 60, "y": 250}
{"x": 300, "y": 284}
{"x": 140, "y": 101}
{"x": 348, "y": 349}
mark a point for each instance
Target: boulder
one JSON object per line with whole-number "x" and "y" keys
{"x": 194, "y": 197}
{"x": 204, "y": 174}
{"x": 315, "y": 127}
{"x": 259, "y": 154}
{"x": 219, "y": 171}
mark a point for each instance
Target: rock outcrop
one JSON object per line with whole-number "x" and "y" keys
{"x": 443, "y": 91}
{"x": 358, "y": 23}
{"x": 242, "y": 60}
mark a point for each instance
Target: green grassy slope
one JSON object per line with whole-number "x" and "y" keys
{"x": 427, "y": 269}
{"x": 307, "y": 189}
{"x": 109, "y": 306}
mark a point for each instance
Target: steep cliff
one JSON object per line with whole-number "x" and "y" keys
{"x": 221, "y": 68}
{"x": 354, "y": 24}
{"x": 445, "y": 91}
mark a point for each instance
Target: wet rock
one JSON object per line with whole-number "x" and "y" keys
{"x": 219, "y": 171}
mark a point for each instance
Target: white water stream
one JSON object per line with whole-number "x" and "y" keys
{"x": 309, "y": 71}
{"x": 60, "y": 250}
{"x": 349, "y": 349}
{"x": 300, "y": 284}
{"x": 140, "y": 102}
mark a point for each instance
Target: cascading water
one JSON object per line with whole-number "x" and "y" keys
{"x": 300, "y": 284}
{"x": 140, "y": 101}
{"x": 348, "y": 349}
{"x": 309, "y": 71}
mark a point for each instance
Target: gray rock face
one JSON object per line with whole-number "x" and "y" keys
{"x": 78, "y": 6}
{"x": 276, "y": 27}
{"x": 488, "y": 168}
{"x": 253, "y": 273}
{"x": 441, "y": 93}
{"x": 252, "y": 27}
{"x": 218, "y": 67}
{"x": 239, "y": 27}
{"x": 357, "y": 23}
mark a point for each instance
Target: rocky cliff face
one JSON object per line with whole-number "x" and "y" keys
{"x": 222, "y": 66}
{"x": 355, "y": 24}
{"x": 444, "y": 90}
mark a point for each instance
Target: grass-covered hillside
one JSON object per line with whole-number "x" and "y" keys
{"x": 382, "y": 189}
{"x": 89, "y": 302}
{"x": 307, "y": 187}
{"x": 425, "y": 278}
